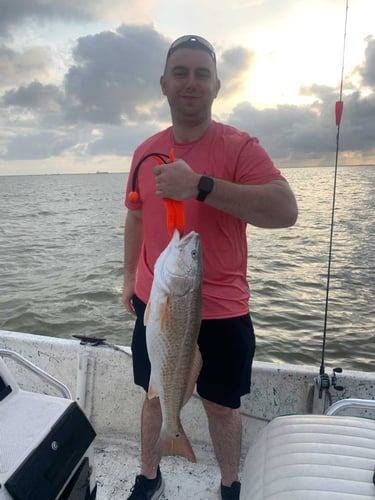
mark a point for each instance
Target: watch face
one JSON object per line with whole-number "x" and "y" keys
{"x": 205, "y": 186}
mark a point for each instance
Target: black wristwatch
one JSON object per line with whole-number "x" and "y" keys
{"x": 205, "y": 186}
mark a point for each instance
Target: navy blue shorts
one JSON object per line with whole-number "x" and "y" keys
{"x": 227, "y": 347}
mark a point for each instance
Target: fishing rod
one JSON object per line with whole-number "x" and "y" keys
{"x": 324, "y": 379}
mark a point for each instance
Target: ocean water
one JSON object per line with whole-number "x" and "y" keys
{"x": 61, "y": 254}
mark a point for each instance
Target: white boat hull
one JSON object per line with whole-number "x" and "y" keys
{"x": 101, "y": 380}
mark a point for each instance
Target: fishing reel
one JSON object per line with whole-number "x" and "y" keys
{"x": 334, "y": 379}
{"x": 322, "y": 397}
{"x": 324, "y": 381}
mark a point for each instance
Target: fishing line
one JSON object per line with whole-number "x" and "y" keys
{"x": 339, "y": 109}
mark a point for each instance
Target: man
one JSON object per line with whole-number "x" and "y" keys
{"x": 226, "y": 181}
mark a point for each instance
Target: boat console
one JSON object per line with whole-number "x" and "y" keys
{"x": 46, "y": 443}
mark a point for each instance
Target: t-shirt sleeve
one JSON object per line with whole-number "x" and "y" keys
{"x": 254, "y": 166}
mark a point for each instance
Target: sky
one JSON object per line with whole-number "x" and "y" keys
{"x": 79, "y": 79}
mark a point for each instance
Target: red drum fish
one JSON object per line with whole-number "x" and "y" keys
{"x": 172, "y": 319}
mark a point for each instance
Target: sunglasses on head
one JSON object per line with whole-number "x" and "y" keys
{"x": 190, "y": 41}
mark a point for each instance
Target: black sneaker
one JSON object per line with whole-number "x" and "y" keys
{"x": 147, "y": 489}
{"x": 230, "y": 492}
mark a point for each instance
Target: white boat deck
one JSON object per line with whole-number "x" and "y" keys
{"x": 101, "y": 380}
{"x": 117, "y": 463}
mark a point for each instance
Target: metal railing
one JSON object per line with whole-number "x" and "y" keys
{"x": 38, "y": 371}
{"x": 367, "y": 404}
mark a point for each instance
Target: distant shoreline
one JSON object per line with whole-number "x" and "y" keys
{"x": 356, "y": 165}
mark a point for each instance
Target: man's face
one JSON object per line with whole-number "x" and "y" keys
{"x": 190, "y": 83}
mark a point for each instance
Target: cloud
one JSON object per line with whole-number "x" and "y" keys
{"x": 108, "y": 100}
{"x": 113, "y": 81}
{"x": 43, "y": 98}
{"x": 16, "y": 12}
{"x": 235, "y": 64}
{"x": 19, "y": 67}
{"x": 115, "y": 75}
{"x": 129, "y": 11}
{"x": 284, "y": 131}
{"x": 367, "y": 70}
{"x": 358, "y": 126}
{"x": 308, "y": 132}
{"x": 120, "y": 141}
{"x": 38, "y": 145}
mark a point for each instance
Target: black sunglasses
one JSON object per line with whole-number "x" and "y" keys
{"x": 190, "y": 41}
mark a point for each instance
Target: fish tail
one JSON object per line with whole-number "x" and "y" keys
{"x": 177, "y": 445}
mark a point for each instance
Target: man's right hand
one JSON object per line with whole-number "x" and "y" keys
{"x": 127, "y": 299}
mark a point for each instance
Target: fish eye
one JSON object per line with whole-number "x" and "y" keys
{"x": 194, "y": 253}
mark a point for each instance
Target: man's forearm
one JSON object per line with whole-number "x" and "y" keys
{"x": 133, "y": 237}
{"x": 270, "y": 205}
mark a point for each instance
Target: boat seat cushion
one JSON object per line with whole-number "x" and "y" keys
{"x": 311, "y": 457}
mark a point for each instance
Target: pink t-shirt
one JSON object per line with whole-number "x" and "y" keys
{"x": 223, "y": 152}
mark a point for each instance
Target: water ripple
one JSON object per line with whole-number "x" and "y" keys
{"x": 61, "y": 265}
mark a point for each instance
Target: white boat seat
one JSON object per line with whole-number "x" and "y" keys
{"x": 311, "y": 457}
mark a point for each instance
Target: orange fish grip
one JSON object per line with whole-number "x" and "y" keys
{"x": 175, "y": 209}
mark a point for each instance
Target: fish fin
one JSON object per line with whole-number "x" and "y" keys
{"x": 194, "y": 372}
{"x": 177, "y": 446}
{"x": 147, "y": 312}
{"x": 163, "y": 312}
{"x": 152, "y": 391}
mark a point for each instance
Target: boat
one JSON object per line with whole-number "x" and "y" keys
{"x": 307, "y": 433}
{"x": 98, "y": 377}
